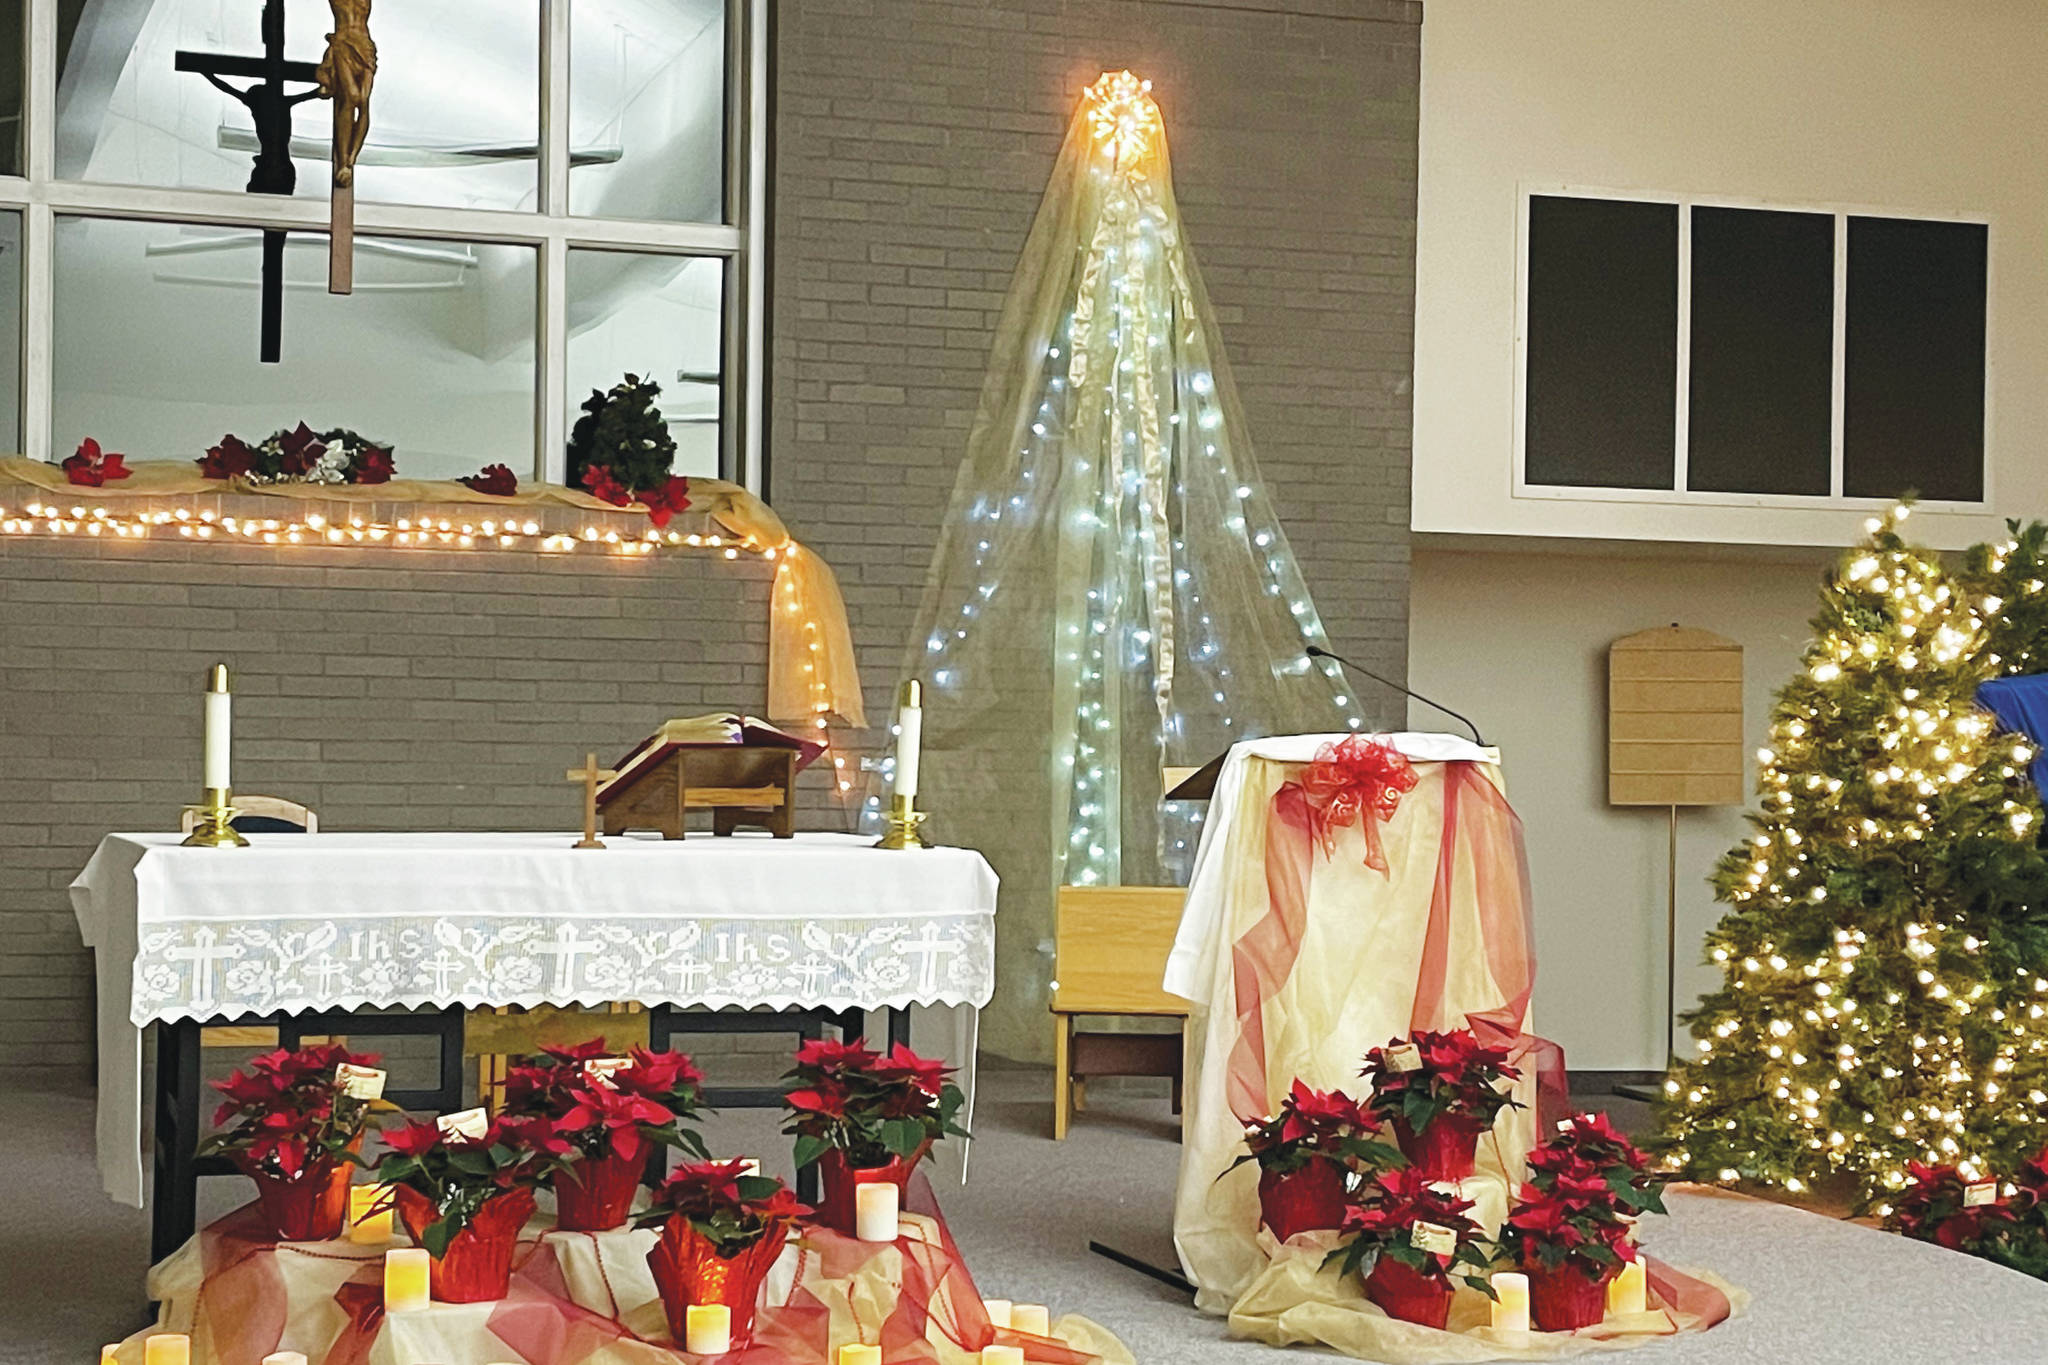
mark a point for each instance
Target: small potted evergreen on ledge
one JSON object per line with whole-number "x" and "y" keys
{"x": 1440, "y": 1092}
{"x": 1418, "y": 1240}
{"x": 1307, "y": 1154}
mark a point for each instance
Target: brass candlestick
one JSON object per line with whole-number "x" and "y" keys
{"x": 904, "y": 825}
{"x": 216, "y": 827}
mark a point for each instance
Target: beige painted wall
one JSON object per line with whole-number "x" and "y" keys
{"x": 1518, "y": 641}
{"x": 1907, "y": 106}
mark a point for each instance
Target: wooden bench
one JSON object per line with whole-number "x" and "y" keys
{"x": 1110, "y": 949}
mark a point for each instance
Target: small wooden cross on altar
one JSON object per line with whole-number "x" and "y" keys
{"x": 589, "y": 775}
{"x": 345, "y": 74}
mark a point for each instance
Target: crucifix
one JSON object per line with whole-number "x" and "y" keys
{"x": 589, "y": 775}
{"x": 345, "y": 74}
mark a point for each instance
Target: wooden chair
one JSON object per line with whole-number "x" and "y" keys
{"x": 1110, "y": 945}
{"x": 255, "y": 815}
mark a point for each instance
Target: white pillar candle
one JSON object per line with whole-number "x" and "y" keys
{"x": 408, "y": 1282}
{"x": 1002, "y": 1355}
{"x": 909, "y": 737}
{"x": 285, "y": 1358}
{"x": 1034, "y": 1318}
{"x": 1629, "y": 1292}
{"x": 167, "y": 1348}
{"x": 998, "y": 1311}
{"x": 707, "y": 1329}
{"x": 1511, "y": 1301}
{"x": 220, "y": 705}
{"x": 877, "y": 1209}
{"x": 856, "y": 1354}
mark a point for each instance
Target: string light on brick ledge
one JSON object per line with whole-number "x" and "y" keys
{"x": 313, "y": 529}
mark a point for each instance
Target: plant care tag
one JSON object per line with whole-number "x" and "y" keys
{"x": 359, "y": 1082}
{"x": 1404, "y": 1057}
{"x": 602, "y": 1069}
{"x": 1437, "y": 1241}
{"x": 470, "y": 1125}
{"x": 1978, "y": 1195}
{"x": 1564, "y": 1125}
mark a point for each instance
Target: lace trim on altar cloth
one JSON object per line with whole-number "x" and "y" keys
{"x": 193, "y": 970}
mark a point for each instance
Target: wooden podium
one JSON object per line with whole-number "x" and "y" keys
{"x": 743, "y": 786}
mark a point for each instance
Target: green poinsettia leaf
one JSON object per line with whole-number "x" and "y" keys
{"x": 809, "y": 1149}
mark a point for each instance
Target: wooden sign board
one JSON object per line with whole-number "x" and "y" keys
{"x": 1674, "y": 719}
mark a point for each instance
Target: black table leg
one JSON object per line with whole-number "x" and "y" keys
{"x": 899, "y": 1026}
{"x": 174, "y": 1193}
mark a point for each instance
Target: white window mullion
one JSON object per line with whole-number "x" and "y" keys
{"x": 554, "y": 107}
{"x": 551, "y": 356}
{"x": 40, "y": 146}
{"x": 751, "y": 409}
{"x": 1838, "y": 402}
{"x": 38, "y": 288}
{"x": 1681, "y": 430}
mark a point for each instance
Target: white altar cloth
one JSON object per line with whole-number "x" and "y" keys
{"x": 299, "y": 922}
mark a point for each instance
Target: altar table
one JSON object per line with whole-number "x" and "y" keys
{"x": 326, "y": 922}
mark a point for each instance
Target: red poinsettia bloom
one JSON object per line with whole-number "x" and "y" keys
{"x": 299, "y": 450}
{"x": 230, "y": 459}
{"x": 615, "y": 1112}
{"x": 664, "y": 502}
{"x": 902, "y": 1064}
{"x": 414, "y": 1139}
{"x": 658, "y": 1075}
{"x": 374, "y": 465}
{"x": 496, "y": 479}
{"x": 826, "y": 1101}
{"x": 93, "y": 467}
{"x": 603, "y": 486}
{"x": 830, "y": 1056}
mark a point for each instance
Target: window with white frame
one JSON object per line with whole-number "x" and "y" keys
{"x": 1674, "y": 349}
{"x": 553, "y": 193}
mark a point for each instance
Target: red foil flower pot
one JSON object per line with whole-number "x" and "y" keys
{"x": 1445, "y": 1149}
{"x": 1566, "y": 1298}
{"x": 688, "y": 1270}
{"x": 313, "y": 1208}
{"x": 1306, "y": 1200}
{"x": 836, "y": 1180}
{"x": 1408, "y": 1294}
{"x": 477, "y": 1266}
{"x": 596, "y": 1193}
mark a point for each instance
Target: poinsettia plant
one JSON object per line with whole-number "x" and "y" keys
{"x": 93, "y": 467}
{"x": 1428, "y": 1075}
{"x": 1586, "y": 1187}
{"x": 730, "y": 1208}
{"x": 1313, "y": 1125}
{"x": 606, "y": 1109}
{"x": 495, "y": 479}
{"x": 872, "y": 1106}
{"x": 458, "y": 1175}
{"x": 1405, "y": 1217}
{"x": 1938, "y": 1206}
{"x": 291, "y": 1111}
{"x": 300, "y": 455}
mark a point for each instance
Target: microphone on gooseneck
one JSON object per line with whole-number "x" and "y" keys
{"x": 1318, "y": 652}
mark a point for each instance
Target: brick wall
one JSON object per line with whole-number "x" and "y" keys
{"x": 913, "y": 140}
{"x": 421, "y": 690}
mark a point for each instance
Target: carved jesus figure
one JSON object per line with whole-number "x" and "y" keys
{"x": 346, "y": 74}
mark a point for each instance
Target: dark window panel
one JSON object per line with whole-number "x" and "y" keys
{"x": 1762, "y": 380}
{"x": 1602, "y": 375}
{"x": 1914, "y": 413}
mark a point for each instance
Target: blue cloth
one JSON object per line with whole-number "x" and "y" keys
{"x": 2021, "y": 705}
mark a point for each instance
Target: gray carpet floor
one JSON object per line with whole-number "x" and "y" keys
{"x": 71, "y": 1263}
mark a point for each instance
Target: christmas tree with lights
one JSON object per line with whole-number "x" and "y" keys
{"x": 1112, "y": 596}
{"x": 1885, "y": 978}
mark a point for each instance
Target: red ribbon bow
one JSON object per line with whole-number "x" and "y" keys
{"x": 1358, "y": 780}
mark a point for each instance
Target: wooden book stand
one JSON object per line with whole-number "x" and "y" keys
{"x": 743, "y": 786}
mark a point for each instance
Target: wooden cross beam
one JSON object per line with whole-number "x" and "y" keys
{"x": 590, "y": 775}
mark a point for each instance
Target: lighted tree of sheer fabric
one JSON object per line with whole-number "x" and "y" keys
{"x": 1112, "y": 593}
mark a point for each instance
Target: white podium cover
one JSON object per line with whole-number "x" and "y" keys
{"x": 1352, "y": 985}
{"x": 299, "y": 922}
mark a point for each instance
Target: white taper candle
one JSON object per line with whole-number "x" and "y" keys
{"x": 220, "y": 705}
{"x": 909, "y": 736}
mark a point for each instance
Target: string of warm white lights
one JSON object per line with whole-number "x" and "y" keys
{"x": 1874, "y": 1010}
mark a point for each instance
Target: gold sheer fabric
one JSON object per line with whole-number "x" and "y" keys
{"x": 1112, "y": 594}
